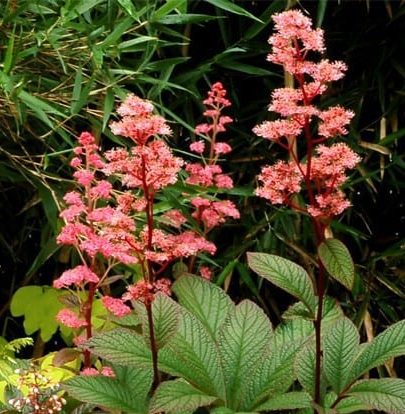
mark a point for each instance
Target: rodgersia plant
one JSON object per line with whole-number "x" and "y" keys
{"x": 110, "y": 224}
{"x": 203, "y": 350}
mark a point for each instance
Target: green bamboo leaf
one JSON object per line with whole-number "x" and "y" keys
{"x": 232, "y": 8}
{"x": 193, "y": 355}
{"x": 185, "y": 18}
{"x": 178, "y": 396}
{"x": 341, "y": 343}
{"x": 167, "y": 8}
{"x": 77, "y": 8}
{"x": 386, "y": 345}
{"x": 121, "y": 346}
{"x": 386, "y": 394}
{"x": 245, "y": 68}
{"x": 165, "y": 314}
{"x": 320, "y": 14}
{"x": 286, "y": 275}
{"x": 206, "y": 301}
{"x": 265, "y": 19}
{"x": 108, "y": 107}
{"x": 242, "y": 344}
{"x": 129, "y": 8}
{"x": 115, "y": 393}
{"x": 9, "y": 55}
{"x": 289, "y": 401}
{"x": 77, "y": 88}
{"x": 337, "y": 261}
{"x": 136, "y": 41}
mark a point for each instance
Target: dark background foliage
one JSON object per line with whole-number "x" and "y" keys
{"x": 65, "y": 64}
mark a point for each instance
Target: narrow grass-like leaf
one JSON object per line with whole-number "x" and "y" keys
{"x": 232, "y": 8}
{"x": 129, "y": 8}
{"x": 289, "y": 401}
{"x": 337, "y": 261}
{"x": 208, "y": 302}
{"x": 77, "y": 88}
{"x": 121, "y": 346}
{"x": 385, "y": 394}
{"x": 242, "y": 343}
{"x": 341, "y": 343}
{"x": 167, "y": 8}
{"x": 285, "y": 274}
{"x": 388, "y": 344}
{"x": 178, "y": 396}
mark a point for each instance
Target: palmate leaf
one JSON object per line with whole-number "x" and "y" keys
{"x": 289, "y": 401}
{"x": 275, "y": 373}
{"x": 208, "y": 302}
{"x": 350, "y": 405}
{"x": 165, "y": 314}
{"x": 116, "y": 393}
{"x": 388, "y": 344}
{"x": 242, "y": 344}
{"x": 337, "y": 261}
{"x": 193, "y": 355}
{"x": 178, "y": 396}
{"x": 286, "y": 275}
{"x": 121, "y": 346}
{"x": 340, "y": 346}
{"x": 386, "y": 394}
{"x": 305, "y": 367}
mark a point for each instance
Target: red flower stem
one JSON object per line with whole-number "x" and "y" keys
{"x": 149, "y": 197}
{"x": 88, "y": 310}
{"x": 215, "y": 120}
{"x": 319, "y": 237}
{"x": 153, "y": 346}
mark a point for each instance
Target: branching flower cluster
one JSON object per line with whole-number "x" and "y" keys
{"x": 208, "y": 173}
{"x": 111, "y": 217}
{"x": 323, "y": 170}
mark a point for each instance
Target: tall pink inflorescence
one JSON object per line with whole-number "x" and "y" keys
{"x": 110, "y": 219}
{"x": 324, "y": 170}
{"x": 210, "y": 213}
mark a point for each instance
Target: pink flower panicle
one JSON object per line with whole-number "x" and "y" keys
{"x": 174, "y": 218}
{"x": 324, "y": 172}
{"x": 198, "y": 147}
{"x": 214, "y": 104}
{"x": 77, "y": 276}
{"x": 70, "y": 319}
{"x": 138, "y": 122}
{"x": 116, "y": 306}
{"x": 207, "y": 176}
{"x": 213, "y": 213}
{"x": 205, "y": 272}
{"x": 156, "y": 158}
{"x": 279, "y": 182}
{"x": 92, "y": 372}
{"x": 167, "y": 247}
{"x": 145, "y": 291}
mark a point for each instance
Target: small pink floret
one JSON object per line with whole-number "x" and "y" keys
{"x": 116, "y": 306}
{"x": 68, "y": 318}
